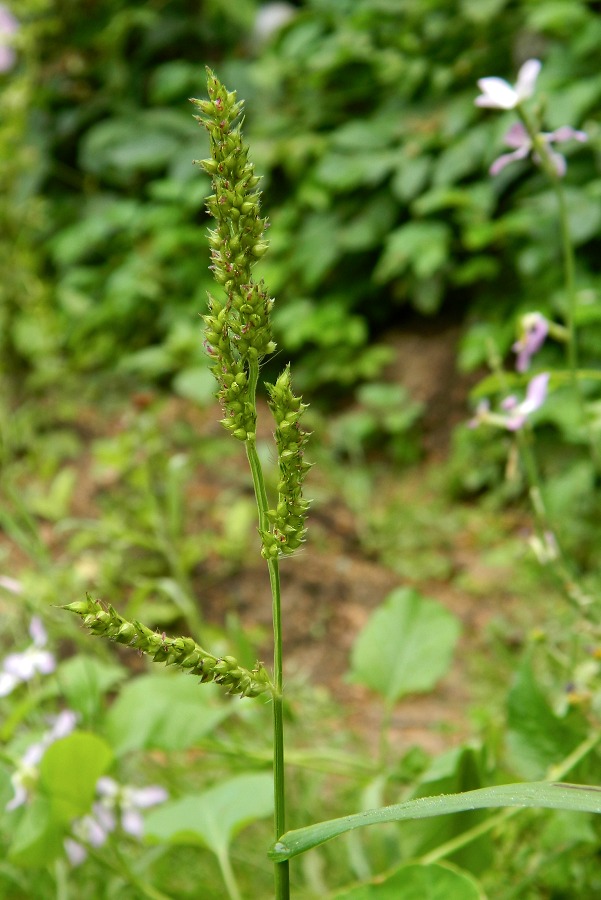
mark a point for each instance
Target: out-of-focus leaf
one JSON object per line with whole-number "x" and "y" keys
{"x": 166, "y": 712}
{"x": 214, "y": 817}
{"x": 417, "y": 882}
{"x": 69, "y": 771}
{"x": 421, "y": 246}
{"x": 537, "y": 738}
{"x": 406, "y": 646}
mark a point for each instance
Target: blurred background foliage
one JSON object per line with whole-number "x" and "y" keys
{"x": 362, "y": 121}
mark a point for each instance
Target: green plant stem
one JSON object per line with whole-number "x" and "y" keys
{"x": 567, "y": 249}
{"x": 281, "y": 870}
{"x": 384, "y": 741}
{"x": 229, "y": 879}
{"x": 121, "y": 867}
{"x": 544, "y": 524}
{"x": 568, "y": 265}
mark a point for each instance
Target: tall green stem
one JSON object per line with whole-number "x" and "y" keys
{"x": 568, "y": 264}
{"x": 281, "y": 870}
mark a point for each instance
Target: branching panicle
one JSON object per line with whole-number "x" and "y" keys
{"x": 238, "y": 329}
{"x": 182, "y": 652}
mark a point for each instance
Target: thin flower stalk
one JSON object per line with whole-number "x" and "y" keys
{"x": 526, "y": 138}
{"x": 237, "y": 337}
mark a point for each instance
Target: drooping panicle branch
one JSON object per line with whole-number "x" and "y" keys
{"x": 183, "y": 652}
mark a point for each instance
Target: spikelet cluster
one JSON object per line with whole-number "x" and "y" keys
{"x": 288, "y": 519}
{"x": 238, "y": 326}
{"x": 183, "y": 652}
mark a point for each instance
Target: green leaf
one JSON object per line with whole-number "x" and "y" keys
{"x": 83, "y": 680}
{"x": 406, "y": 646}
{"x": 457, "y": 771}
{"x": 145, "y": 141}
{"x": 197, "y": 384}
{"x": 421, "y": 246}
{"x": 38, "y": 837}
{"x": 214, "y": 817}
{"x": 411, "y": 177}
{"x": 69, "y": 771}
{"x": 165, "y": 712}
{"x": 537, "y": 795}
{"x": 536, "y": 737}
{"x": 417, "y": 882}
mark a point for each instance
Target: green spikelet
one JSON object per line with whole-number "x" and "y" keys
{"x": 288, "y": 529}
{"x": 238, "y": 328}
{"x": 182, "y": 652}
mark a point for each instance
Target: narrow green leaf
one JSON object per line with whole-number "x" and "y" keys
{"x": 406, "y": 646}
{"x": 417, "y": 882}
{"x": 214, "y": 817}
{"x": 538, "y": 794}
{"x": 456, "y": 771}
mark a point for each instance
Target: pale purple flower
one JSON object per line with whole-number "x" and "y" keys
{"x": 534, "y": 329}
{"x": 499, "y": 94}
{"x": 117, "y": 803}
{"x": 26, "y": 774}
{"x": 129, "y": 801}
{"x": 515, "y": 414}
{"x": 518, "y": 138}
{"x": 518, "y": 413}
{"x": 20, "y": 667}
{"x": 89, "y": 831}
{"x": 8, "y": 27}
{"x": 76, "y": 853}
{"x": 11, "y": 584}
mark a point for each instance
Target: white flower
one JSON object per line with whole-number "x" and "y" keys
{"x": 26, "y": 774}
{"x": 270, "y": 18}
{"x": 8, "y": 27}
{"x": 11, "y": 584}
{"x": 118, "y": 802}
{"x": 129, "y": 801}
{"x": 20, "y": 667}
{"x": 499, "y": 94}
{"x": 92, "y": 831}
